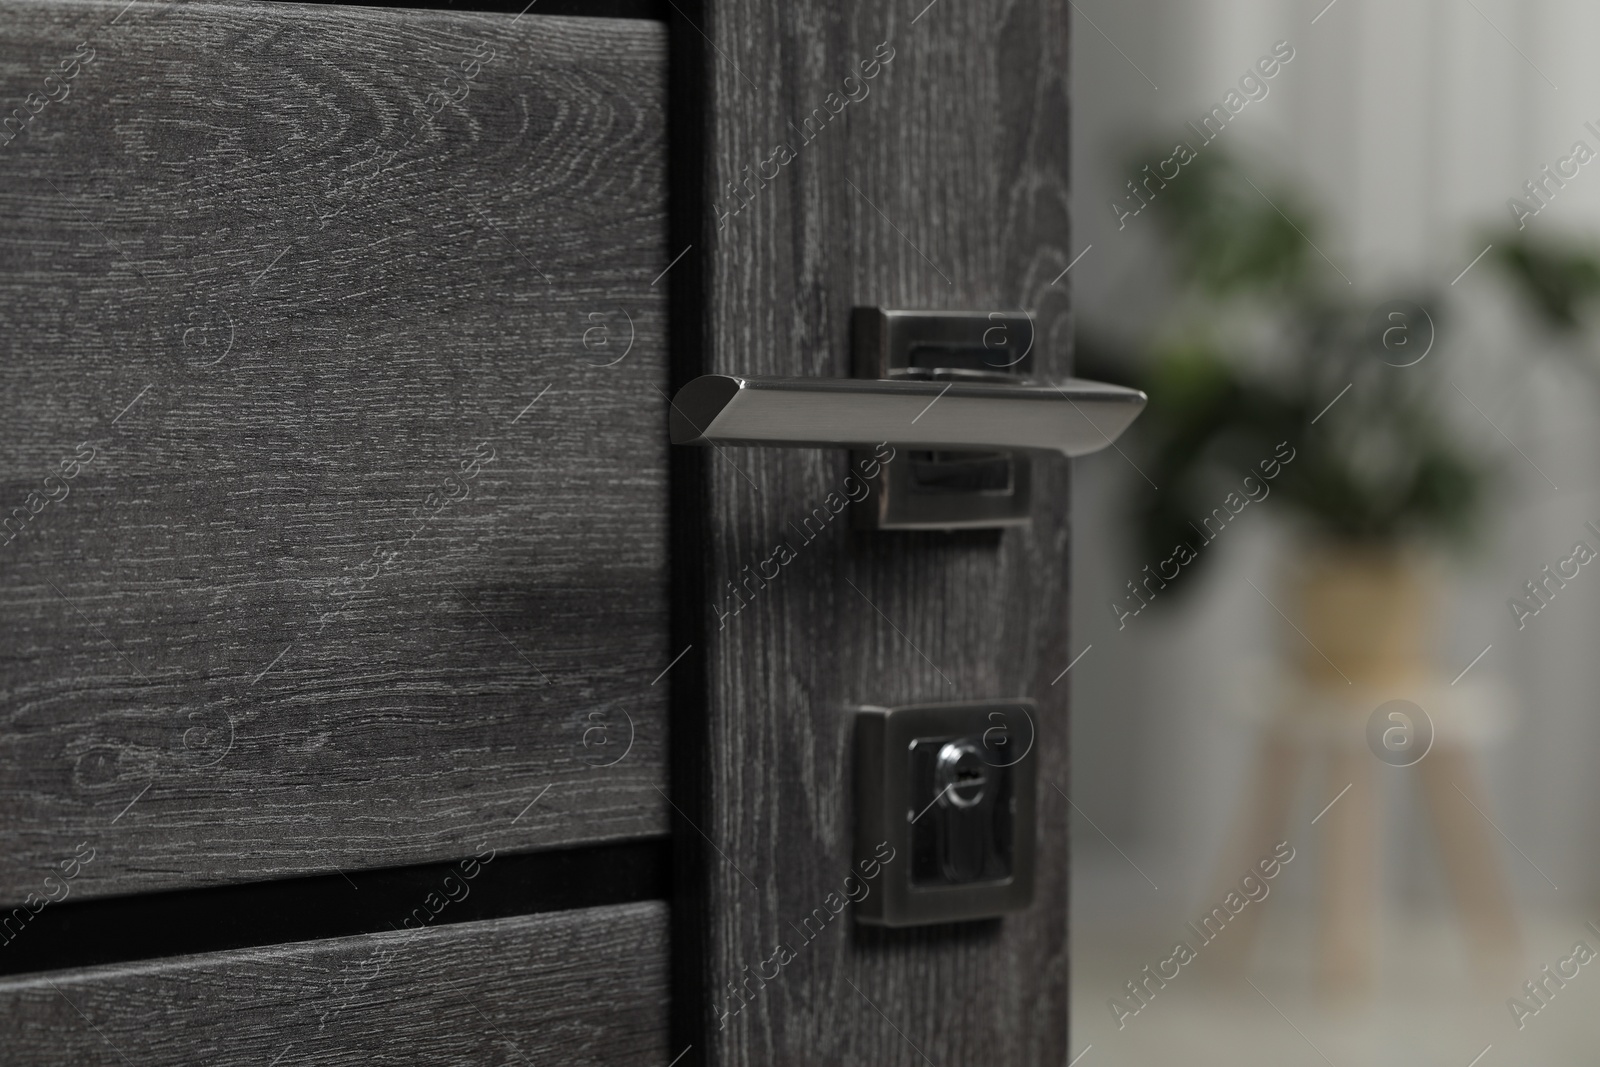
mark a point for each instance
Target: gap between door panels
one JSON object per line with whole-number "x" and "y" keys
{"x": 689, "y": 117}
{"x": 486, "y": 885}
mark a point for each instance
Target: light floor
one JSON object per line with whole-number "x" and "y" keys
{"x": 1424, "y": 1009}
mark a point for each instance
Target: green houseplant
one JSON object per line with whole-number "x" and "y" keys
{"x": 1268, "y": 355}
{"x": 1559, "y": 283}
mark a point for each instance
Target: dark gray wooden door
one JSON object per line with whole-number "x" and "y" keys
{"x": 349, "y": 587}
{"x": 899, "y": 155}
{"x": 335, "y": 541}
{"x": 325, "y": 532}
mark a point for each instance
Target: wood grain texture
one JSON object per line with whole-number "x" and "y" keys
{"x": 352, "y": 310}
{"x": 580, "y": 987}
{"x": 943, "y": 185}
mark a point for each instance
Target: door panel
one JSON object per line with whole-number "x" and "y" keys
{"x": 334, "y": 478}
{"x": 580, "y": 987}
{"x": 335, "y": 509}
{"x": 925, "y": 167}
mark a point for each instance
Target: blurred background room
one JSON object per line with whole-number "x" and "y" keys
{"x": 1335, "y": 627}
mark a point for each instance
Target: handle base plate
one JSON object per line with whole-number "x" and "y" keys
{"x": 925, "y": 490}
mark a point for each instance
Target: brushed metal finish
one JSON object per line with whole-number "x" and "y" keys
{"x": 1074, "y": 418}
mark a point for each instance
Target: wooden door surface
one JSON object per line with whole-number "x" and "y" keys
{"x": 334, "y": 532}
{"x": 373, "y": 686}
{"x": 888, "y": 155}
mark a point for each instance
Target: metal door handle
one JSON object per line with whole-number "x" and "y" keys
{"x": 951, "y": 388}
{"x": 1073, "y": 418}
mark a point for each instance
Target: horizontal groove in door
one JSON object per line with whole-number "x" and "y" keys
{"x": 486, "y": 885}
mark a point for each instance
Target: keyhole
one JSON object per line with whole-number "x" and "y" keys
{"x": 961, "y": 774}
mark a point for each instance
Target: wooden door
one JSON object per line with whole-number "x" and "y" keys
{"x": 335, "y": 535}
{"x": 349, "y": 586}
{"x": 861, "y": 155}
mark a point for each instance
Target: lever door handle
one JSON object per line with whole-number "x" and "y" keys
{"x": 954, "y": 389}
{"x": 1073, "y": 418}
